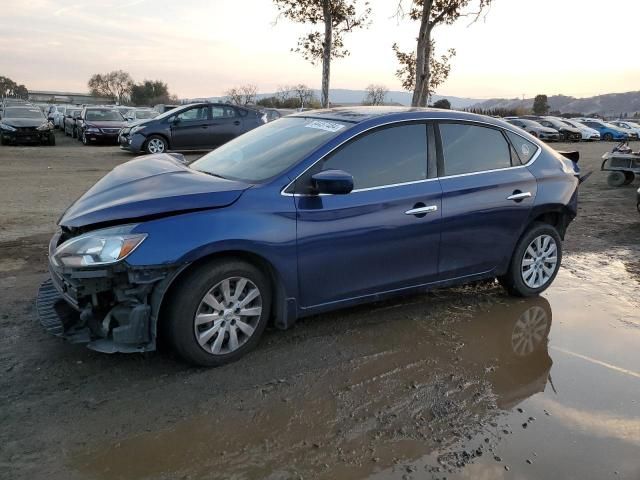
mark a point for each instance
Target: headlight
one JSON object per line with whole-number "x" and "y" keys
{"x": 102, "y": 247}
{"x": 44, "y": 126}
{"x": 6, "y": 127}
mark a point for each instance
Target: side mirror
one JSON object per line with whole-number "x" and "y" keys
{"x": 335, "y": 182}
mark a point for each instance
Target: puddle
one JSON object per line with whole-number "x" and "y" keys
{"x": 554, "y": 380}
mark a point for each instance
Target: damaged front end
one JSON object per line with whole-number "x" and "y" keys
{"x": 111, "y": 307}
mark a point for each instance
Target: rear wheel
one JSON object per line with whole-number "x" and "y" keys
{"x": 533, "y": 133}
{"x": 84, "y": 139}
{"x": 52, "y": 140}
{"x": 607, "y": 137}
{"x": 156, "y": 144}
{"x": 616, "y": 179}
{"x": 535, "y": 262}
{"x": 218, "y": 312}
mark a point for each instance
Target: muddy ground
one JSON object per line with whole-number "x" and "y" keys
{"x": 456, "y": 383}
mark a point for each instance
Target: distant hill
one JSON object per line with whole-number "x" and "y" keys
{"x": 355, "y": 97}
{"x": 610, "y": 104}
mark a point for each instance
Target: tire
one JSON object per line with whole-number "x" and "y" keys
{"x": 187, "y": 303}
{"x": 607, "y": 137}
{"x": 74, "y": 133}
{"x": 2, "y": 141}
{"x": 629, "y": 177}
{"x": 616, "y": 179}
{"x": 533, "y": 133}
{"x": 530, "y": 273}
{"x": 156, "y": 144}
{"x": 52, "y": 140}
{"x": 84, "y": 140}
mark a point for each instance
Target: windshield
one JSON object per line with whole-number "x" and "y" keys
{"x": 23, "y": 113}
{"x": 573, "y": 124}
{"x": 144, "y": 114}
{"x": 268, "y": 150}
{"x": 106, "y": 115}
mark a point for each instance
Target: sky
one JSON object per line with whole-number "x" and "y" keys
{"x": 201, "y": 48}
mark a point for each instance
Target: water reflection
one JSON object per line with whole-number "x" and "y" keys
{"x": 413, "y": 385}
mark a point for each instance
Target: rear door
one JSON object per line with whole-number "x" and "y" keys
{"x": 382, "y": 236}
{"x": 487, "y": 195}
{"x": 225, "y": 124}
{"x": 190, "y": 128}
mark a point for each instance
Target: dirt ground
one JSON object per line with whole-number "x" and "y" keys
{"x": 456, "y": 383}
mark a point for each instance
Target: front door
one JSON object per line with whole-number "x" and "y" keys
{"x": 382, "y": 236}
{"x": 487, "y": 195}
{"x": 189, "y": 128}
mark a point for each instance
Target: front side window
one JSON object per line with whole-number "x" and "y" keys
{"x": 384, "y": 157}
{"x": 197, "y": 113}
{"x": 471, "y": 148}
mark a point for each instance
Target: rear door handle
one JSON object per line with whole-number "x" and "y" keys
{"x": 422, "y": 210}
{"x": 237, "y": 122}
{"x": 518, "y": 196}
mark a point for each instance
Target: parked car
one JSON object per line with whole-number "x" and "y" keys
{"x": 567, "y": 132}
{"x": 272, "y": 114}
{"x": 69, "y": 124}
{"x": 25, "y": 124}
{"x": 136, "y": 115}
{"x": 99, "y": 125}
{"x": 588, "y": 134}
{"x": 629, "y": 127}
{"x": 56, "y": 115}
{"x": 535, "y": 129}
{"x": 192, "y": 127}
{"x": 607, "y": 131}
{"x": 314, "y": 212}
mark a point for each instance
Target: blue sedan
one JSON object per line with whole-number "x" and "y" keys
{"x": 310, "y": 213}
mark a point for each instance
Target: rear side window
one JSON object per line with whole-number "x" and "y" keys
{"x": 222, "y": 112}
{"x": 525, "y": 150}
{"x": 384, "y": 157}
{"x": 471, "y": 148}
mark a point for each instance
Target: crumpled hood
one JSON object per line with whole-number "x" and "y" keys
{"x": 150, "y": 186}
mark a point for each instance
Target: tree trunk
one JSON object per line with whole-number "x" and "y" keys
{"x": 423, "y": 53}
{"x": 326, "y": 53}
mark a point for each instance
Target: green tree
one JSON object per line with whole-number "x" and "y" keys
{"x": 422, "y": 64}
{"x": 337, "y": 18}
{"x": 151, "y": 92}
{"x": 540, "y": 105}
{"x": 442, "y": 103}
{"x": 116, "y": 85}
{"x": 9, "y": 88}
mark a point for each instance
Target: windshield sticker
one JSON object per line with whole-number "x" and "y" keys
{"x": 326, "y": 126}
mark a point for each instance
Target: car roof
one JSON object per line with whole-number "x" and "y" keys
{"x": 365, "y": 113}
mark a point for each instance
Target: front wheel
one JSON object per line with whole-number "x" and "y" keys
{"x": 218, "y": 312}
{"x": 607, "y": 137}
{"x": 156, "y": 144}
{"x": 535, "y": 262}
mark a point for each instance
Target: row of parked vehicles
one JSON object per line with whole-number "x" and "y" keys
{"x": 556, "y": 129}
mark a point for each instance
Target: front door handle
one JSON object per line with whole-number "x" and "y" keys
{"x": 237, "y": 122}
{"x": 422, "y": 210}
{"x": 518, "y": 196}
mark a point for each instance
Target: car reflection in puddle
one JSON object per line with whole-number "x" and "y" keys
{"x": 415, "y": 385}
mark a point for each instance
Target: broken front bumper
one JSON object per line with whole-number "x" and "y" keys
{"x": 112, "y": 309}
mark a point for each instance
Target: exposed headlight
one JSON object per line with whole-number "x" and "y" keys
{"x": 6, "y": 127}
{"x": 44, "y": 126}
{"x": 102, "y": 247}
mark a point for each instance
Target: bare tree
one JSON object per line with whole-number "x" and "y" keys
{"x": 337, "y": 17}
{"x": 284, "y": 93}
{"x": 432, "y": 13}
{"x": 243, "y": 95}
{"x": 117, "y": 85}
{"x": 376, "y": 95}
{"x": 303, "y": 93}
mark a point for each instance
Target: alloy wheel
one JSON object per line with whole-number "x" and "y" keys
{"x": 156, "y": 145}
{"x": 530, "y": 329}
{"x": 228, "y": 315}
{"x": 540, "y": 261}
